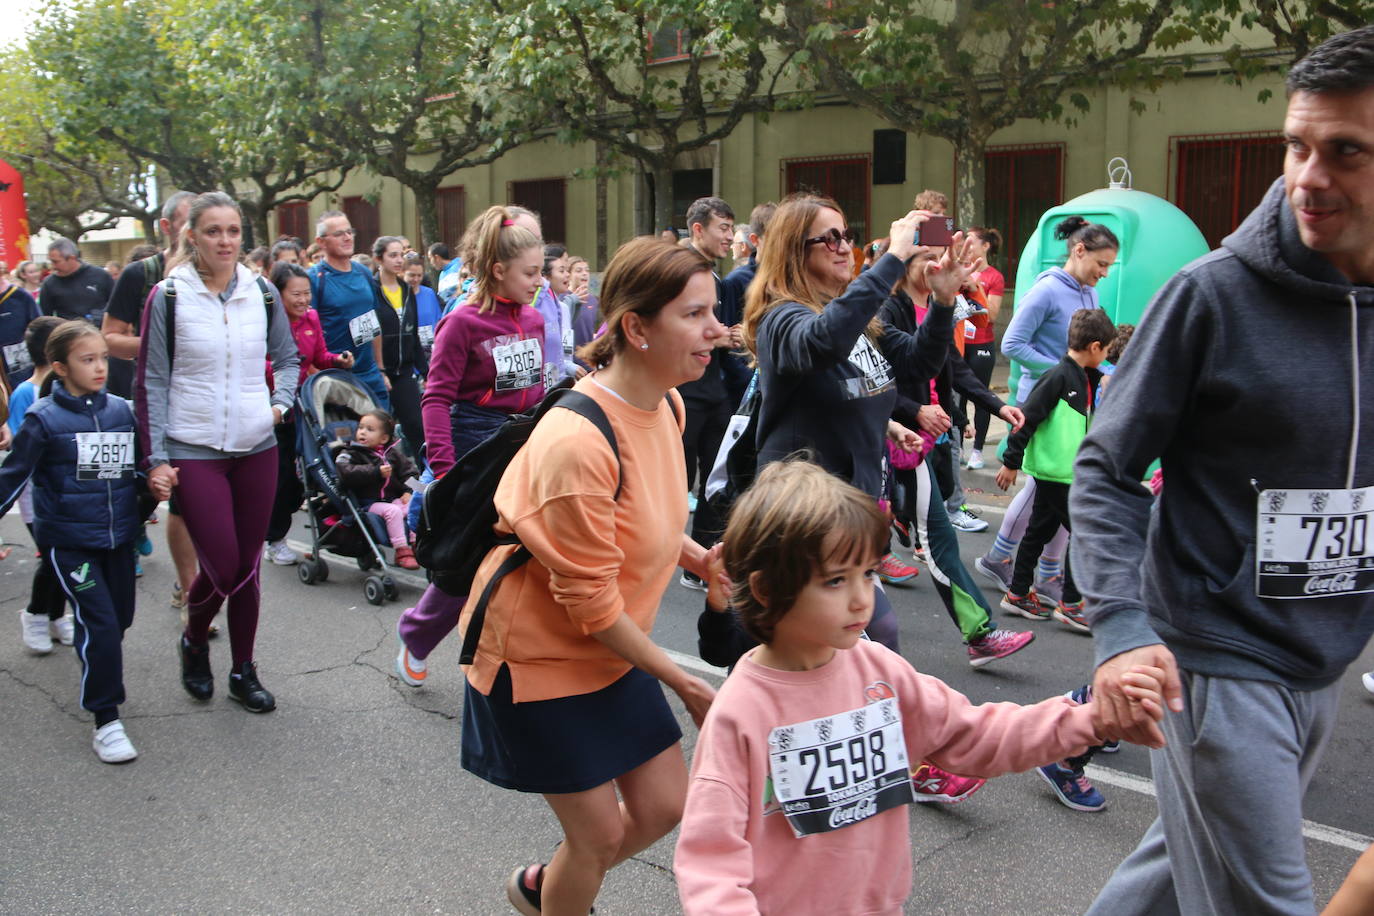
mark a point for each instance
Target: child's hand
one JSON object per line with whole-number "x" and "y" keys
{"x": 386, "y": 471}
{"x": 1006, "y": 477}
{"x": 718, "y": 584}
{"x": 405, "y": 498}
{"x": 1144, "y": 685}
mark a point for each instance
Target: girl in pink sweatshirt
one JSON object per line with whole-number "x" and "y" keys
{"x": 801, "y": 780}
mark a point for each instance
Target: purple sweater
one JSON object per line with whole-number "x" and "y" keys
{"x": 495, "y": 360}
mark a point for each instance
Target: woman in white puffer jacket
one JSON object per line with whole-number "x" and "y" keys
{"x": 208, "y": 416}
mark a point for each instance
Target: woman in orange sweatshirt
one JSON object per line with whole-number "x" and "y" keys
{"x": 564, "y": 695}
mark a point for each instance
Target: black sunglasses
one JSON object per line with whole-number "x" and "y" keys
{"x": 834, "y": 238}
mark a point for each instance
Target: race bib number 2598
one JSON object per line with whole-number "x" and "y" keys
{"x": 834, "y": 772}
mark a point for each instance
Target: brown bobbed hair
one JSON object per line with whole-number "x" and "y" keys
{"x": 795, "y": 520}
{"x": 645, "y": 274}
{"x": 782, "y": 275}
{"x": 493, "y": 238}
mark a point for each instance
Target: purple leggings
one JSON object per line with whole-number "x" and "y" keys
{"x": 226, "y": 504}
{"x": 424, "y": 626}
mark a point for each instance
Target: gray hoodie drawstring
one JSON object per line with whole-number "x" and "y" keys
{"x": 1354, "y": 389}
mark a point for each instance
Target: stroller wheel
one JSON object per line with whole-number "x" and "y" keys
{"x": 389, "y": 586}
{"x": 374, "y": 590}
{"x": 321, "y": 569}
{"x": 306, "y": 570}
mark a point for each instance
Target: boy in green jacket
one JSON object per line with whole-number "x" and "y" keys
{"x": 1057, "y": 415}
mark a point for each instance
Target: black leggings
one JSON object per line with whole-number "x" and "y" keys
{"x": 1049, "y": 512}
{"x": 405, "y": 407}
{"x": 290, "y": 490}
{"x": 981, "y": 359}
{"x": 701, "y": 437}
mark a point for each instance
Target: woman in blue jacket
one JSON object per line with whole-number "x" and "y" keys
{"x": 1037, "y": 338}
{"x": 76, "y": 444}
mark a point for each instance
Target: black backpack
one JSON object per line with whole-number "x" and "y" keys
{"x": 457, "y": 527}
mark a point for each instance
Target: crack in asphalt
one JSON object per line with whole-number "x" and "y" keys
{"x": 62, "y": 705}
{"x": 939, "y": 848}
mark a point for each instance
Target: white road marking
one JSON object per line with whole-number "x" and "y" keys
{"x": 1321, "y": 833}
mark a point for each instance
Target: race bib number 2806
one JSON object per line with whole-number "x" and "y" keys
{"x": 1314, "y": 543}
{"x": 834, "y": 772}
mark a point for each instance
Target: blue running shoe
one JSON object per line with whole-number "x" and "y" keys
{"x": 145, "y": 546}
{"x": 1072, "y": 788}
{"x": 138, "y": 568}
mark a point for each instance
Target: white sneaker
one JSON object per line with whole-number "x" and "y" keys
{"x": 112, "y": 745}
{"x": 975, "y": 459}
{"x": 965, "y": 520}
{"x": 36, "y": 635}
{"x": 1368, "y": 679}
{"x": 64, "y": 628}
{"x": 281, "y": 555}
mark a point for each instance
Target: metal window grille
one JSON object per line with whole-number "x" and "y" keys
{"x": 844, "y": 179}
{"x": 1221, "y": 178}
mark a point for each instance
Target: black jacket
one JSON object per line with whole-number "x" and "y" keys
{"x": 955, "y": 375}
{"x": 401, "y": 348}
{"x": 815, "y": 393}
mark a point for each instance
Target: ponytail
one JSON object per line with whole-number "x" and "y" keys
{"x": 493, "y": 238}
{"x": 1094, "y": 236}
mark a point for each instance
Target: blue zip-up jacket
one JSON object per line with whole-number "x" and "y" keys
{"x": 1039, "y": 331}
{"x": 92, "y": 514}
{"x": 17, "y": 309}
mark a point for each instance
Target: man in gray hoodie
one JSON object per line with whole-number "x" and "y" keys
{"x": 1252, "y": 582}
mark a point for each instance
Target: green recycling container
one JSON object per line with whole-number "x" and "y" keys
{"x": 1156, "y": 237}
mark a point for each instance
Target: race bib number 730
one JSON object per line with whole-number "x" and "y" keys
{"x": 1313, "y": 543}
{"x": 834, "y": 772}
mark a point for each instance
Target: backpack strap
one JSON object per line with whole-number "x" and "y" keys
{"x": 589, "y": 410}
{"x": 169, "y": 301}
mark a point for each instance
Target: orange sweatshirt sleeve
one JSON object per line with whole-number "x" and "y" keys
{"x": 568, "y": 519}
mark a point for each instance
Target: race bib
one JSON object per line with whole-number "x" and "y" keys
{"x": 104, "y": 456}
{"x": 426, "y": 332}
{"x": 1314, "y": 543}
{"x": 567, "y": 342}
{"x": 17, "y": 357}
{"x": 834, "y": 772}
{"x": 518, "y": 365}
{"x": 363, "y": 328}
{"x": 877, "y": 372}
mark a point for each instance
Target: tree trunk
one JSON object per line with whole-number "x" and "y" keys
{"x": 662, "y": 173}
{"x": 149, "y": 223}
{"x": 970, "y": 173}
{"x": 602, "y": 159}
{"x": 427, "y": 205}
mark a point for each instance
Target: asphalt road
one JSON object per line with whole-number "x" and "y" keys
{"x": 349, "y": 798}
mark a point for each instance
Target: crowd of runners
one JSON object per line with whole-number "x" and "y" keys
{"x": 786, "y": 439}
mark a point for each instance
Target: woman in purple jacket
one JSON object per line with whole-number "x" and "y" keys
{"x": 488, "y": 363}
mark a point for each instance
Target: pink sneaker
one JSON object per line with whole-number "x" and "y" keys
{"x": 894, "y": 572}
{"x": 997, "y": 644}
{"x": 933, "y": 784}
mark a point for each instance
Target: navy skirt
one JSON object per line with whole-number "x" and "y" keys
{"x": 567, "y": 744}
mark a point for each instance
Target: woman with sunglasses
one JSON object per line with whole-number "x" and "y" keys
{"x": 827, "y": 372}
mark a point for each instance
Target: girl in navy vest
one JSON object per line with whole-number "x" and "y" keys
{"x": 77, "y": 446}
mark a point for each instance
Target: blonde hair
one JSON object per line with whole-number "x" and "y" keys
{"x": 645, "y": 275}
{"x": 186, "y": 250}
{"x": 493, "y": 238}
{"x": 796, "y": 519}
{"x": 782, "y": 275}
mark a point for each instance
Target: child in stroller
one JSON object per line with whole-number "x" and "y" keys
{"x": 375, "y": 469}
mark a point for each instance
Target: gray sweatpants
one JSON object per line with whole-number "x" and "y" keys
{"x": 1228, "y": 839}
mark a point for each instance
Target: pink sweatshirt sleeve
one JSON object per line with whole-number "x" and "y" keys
{"x": 713, "y": 863}
{"x": 441, "y": 389}
{"x": 942, "y": 726}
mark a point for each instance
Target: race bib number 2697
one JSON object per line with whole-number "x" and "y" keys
{"x": 1314, "y": 543}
